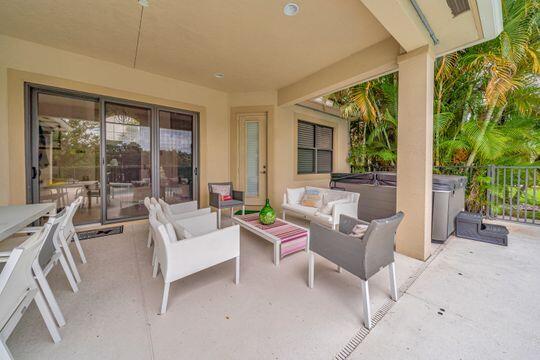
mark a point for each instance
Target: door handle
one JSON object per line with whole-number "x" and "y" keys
{"x": 34, "y": 172}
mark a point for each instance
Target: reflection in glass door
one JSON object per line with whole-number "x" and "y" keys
{"x": 112, "y": 153}
{"x": 176, "y": 156}
{"x": 68, "y": 142}
{"x": 128, "y": 170}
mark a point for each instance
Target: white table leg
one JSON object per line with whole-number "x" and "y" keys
{"x": 277, "y": 246}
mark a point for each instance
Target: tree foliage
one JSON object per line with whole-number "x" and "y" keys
{"x": 486, "y": 103}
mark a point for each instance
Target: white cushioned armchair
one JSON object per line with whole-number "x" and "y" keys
{"x": 204, "y": 246}
{"x": 333, "y": 203}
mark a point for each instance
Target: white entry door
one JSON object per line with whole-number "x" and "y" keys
{"x": 252, "y": 169}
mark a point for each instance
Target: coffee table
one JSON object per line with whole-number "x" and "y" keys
{"x": 279, "y": 233}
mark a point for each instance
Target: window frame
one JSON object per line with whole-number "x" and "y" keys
{"x": 316, "y": 148}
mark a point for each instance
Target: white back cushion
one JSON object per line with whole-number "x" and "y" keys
{"x": 222, "y": 189}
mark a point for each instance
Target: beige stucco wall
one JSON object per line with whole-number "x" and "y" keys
{"x": 282, "y": 136}
{"x": 22, "y": 61}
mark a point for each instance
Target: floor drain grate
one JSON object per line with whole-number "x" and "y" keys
{"x": 90, "y": 234}
{"x": 359, "y": 337}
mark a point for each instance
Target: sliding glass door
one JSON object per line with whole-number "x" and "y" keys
{"x": 67, "y": 142}
{"x": 127, "y": 160}
{"x": 112, "y": 152}
{"x": 176, "y": 156}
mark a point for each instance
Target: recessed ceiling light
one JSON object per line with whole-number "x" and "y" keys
{"x": 219, "y": 75}
{"x": 291, "y": 9}
{"x": 144, "y": 3}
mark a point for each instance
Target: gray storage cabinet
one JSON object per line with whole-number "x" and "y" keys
{"x": 378, "y": 198}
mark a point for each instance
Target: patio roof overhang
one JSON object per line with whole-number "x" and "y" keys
{"x": 327, "y": 46}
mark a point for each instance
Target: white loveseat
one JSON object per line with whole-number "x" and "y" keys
{"x": 333, "y": 204}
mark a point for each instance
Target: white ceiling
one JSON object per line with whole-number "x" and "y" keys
{"x": 251, "y": 41}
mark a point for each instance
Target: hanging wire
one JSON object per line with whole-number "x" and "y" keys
{"x": 138, "y": 37}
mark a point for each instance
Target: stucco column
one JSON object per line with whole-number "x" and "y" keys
{"x": 415, "y": 152}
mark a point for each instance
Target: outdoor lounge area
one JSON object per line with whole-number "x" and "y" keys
{"x": 273, "y": 314}
{"x": 304, "y": 179}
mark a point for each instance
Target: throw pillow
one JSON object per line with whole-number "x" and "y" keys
{"x": 172, "y": 234}
{"x": 225, "y": 197}
{"x": 221, "y": 189}
{"x": 294, "y": 196}
{"x": 312, "y": 198}
{"x": 181, "y": 232}
{"x": 358, "y": 230}
{"x": 329, "y": 207}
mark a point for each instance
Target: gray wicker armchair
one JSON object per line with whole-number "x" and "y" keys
{"x": 363, "y": 257}
{"x": 216, "y": 202}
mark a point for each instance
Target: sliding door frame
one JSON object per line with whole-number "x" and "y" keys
{"x": 31, "y": 91}
{"x": 194, "y": 149}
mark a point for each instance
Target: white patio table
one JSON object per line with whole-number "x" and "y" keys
{"x": 14, "y": 218}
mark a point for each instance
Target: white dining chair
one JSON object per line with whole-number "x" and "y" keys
{"x": 147, "y": 204}
{"x": 67, "y": 234}
{"x": 18, "y": 288}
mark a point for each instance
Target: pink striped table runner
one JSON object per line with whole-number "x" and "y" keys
{"x": 293, "y": 238}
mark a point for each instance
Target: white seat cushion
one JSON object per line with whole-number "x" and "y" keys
{"x": 323, "y": 218}
{"x": 304, "y": 210}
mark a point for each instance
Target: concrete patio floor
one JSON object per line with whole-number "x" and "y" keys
{"x": 474, "y": 301}
{"x": 489, "y": 309}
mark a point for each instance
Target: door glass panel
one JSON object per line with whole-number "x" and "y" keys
{"x": 127, "y": 160}
{"x": 252, "y": 158}
{"x": 175, "y": 157}
{"x": 68, "y": 154}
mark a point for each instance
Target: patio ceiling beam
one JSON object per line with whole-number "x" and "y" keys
{"x": 402, "y": 22}
{"x": 366, "y": 64}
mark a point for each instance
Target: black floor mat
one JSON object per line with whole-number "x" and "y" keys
{"x": 89, "y": 234}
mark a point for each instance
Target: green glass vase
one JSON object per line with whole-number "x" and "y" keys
{"x": 267, "y": 215}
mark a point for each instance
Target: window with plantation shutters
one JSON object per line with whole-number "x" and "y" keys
{"x": 315, "y": 148}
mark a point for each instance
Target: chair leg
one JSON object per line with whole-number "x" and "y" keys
{"x": 283, "y": 215}
{"x": 49, "y": 296}
{"x": 149, "y": 238}
{"x": 219, "y": 218}
{"x": 237, "y": 270}
{"x": 393, "y": 286}
{"x": 243, "y": 209}
{"x": 4, "y": 351}
{"x": 155, "y": 269}
{"x": 367, "y": 305}
{"x": 47, "y": 317}
{"x": 69, "y": 258}
{"x": 339, "y": 269}
{"x": 67, "y": 271}
{"x": 165, "y": 298}
{"x": 79, "y": 247}
{"x": 154, "y": 256}
{"x": 311, "y": 269}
